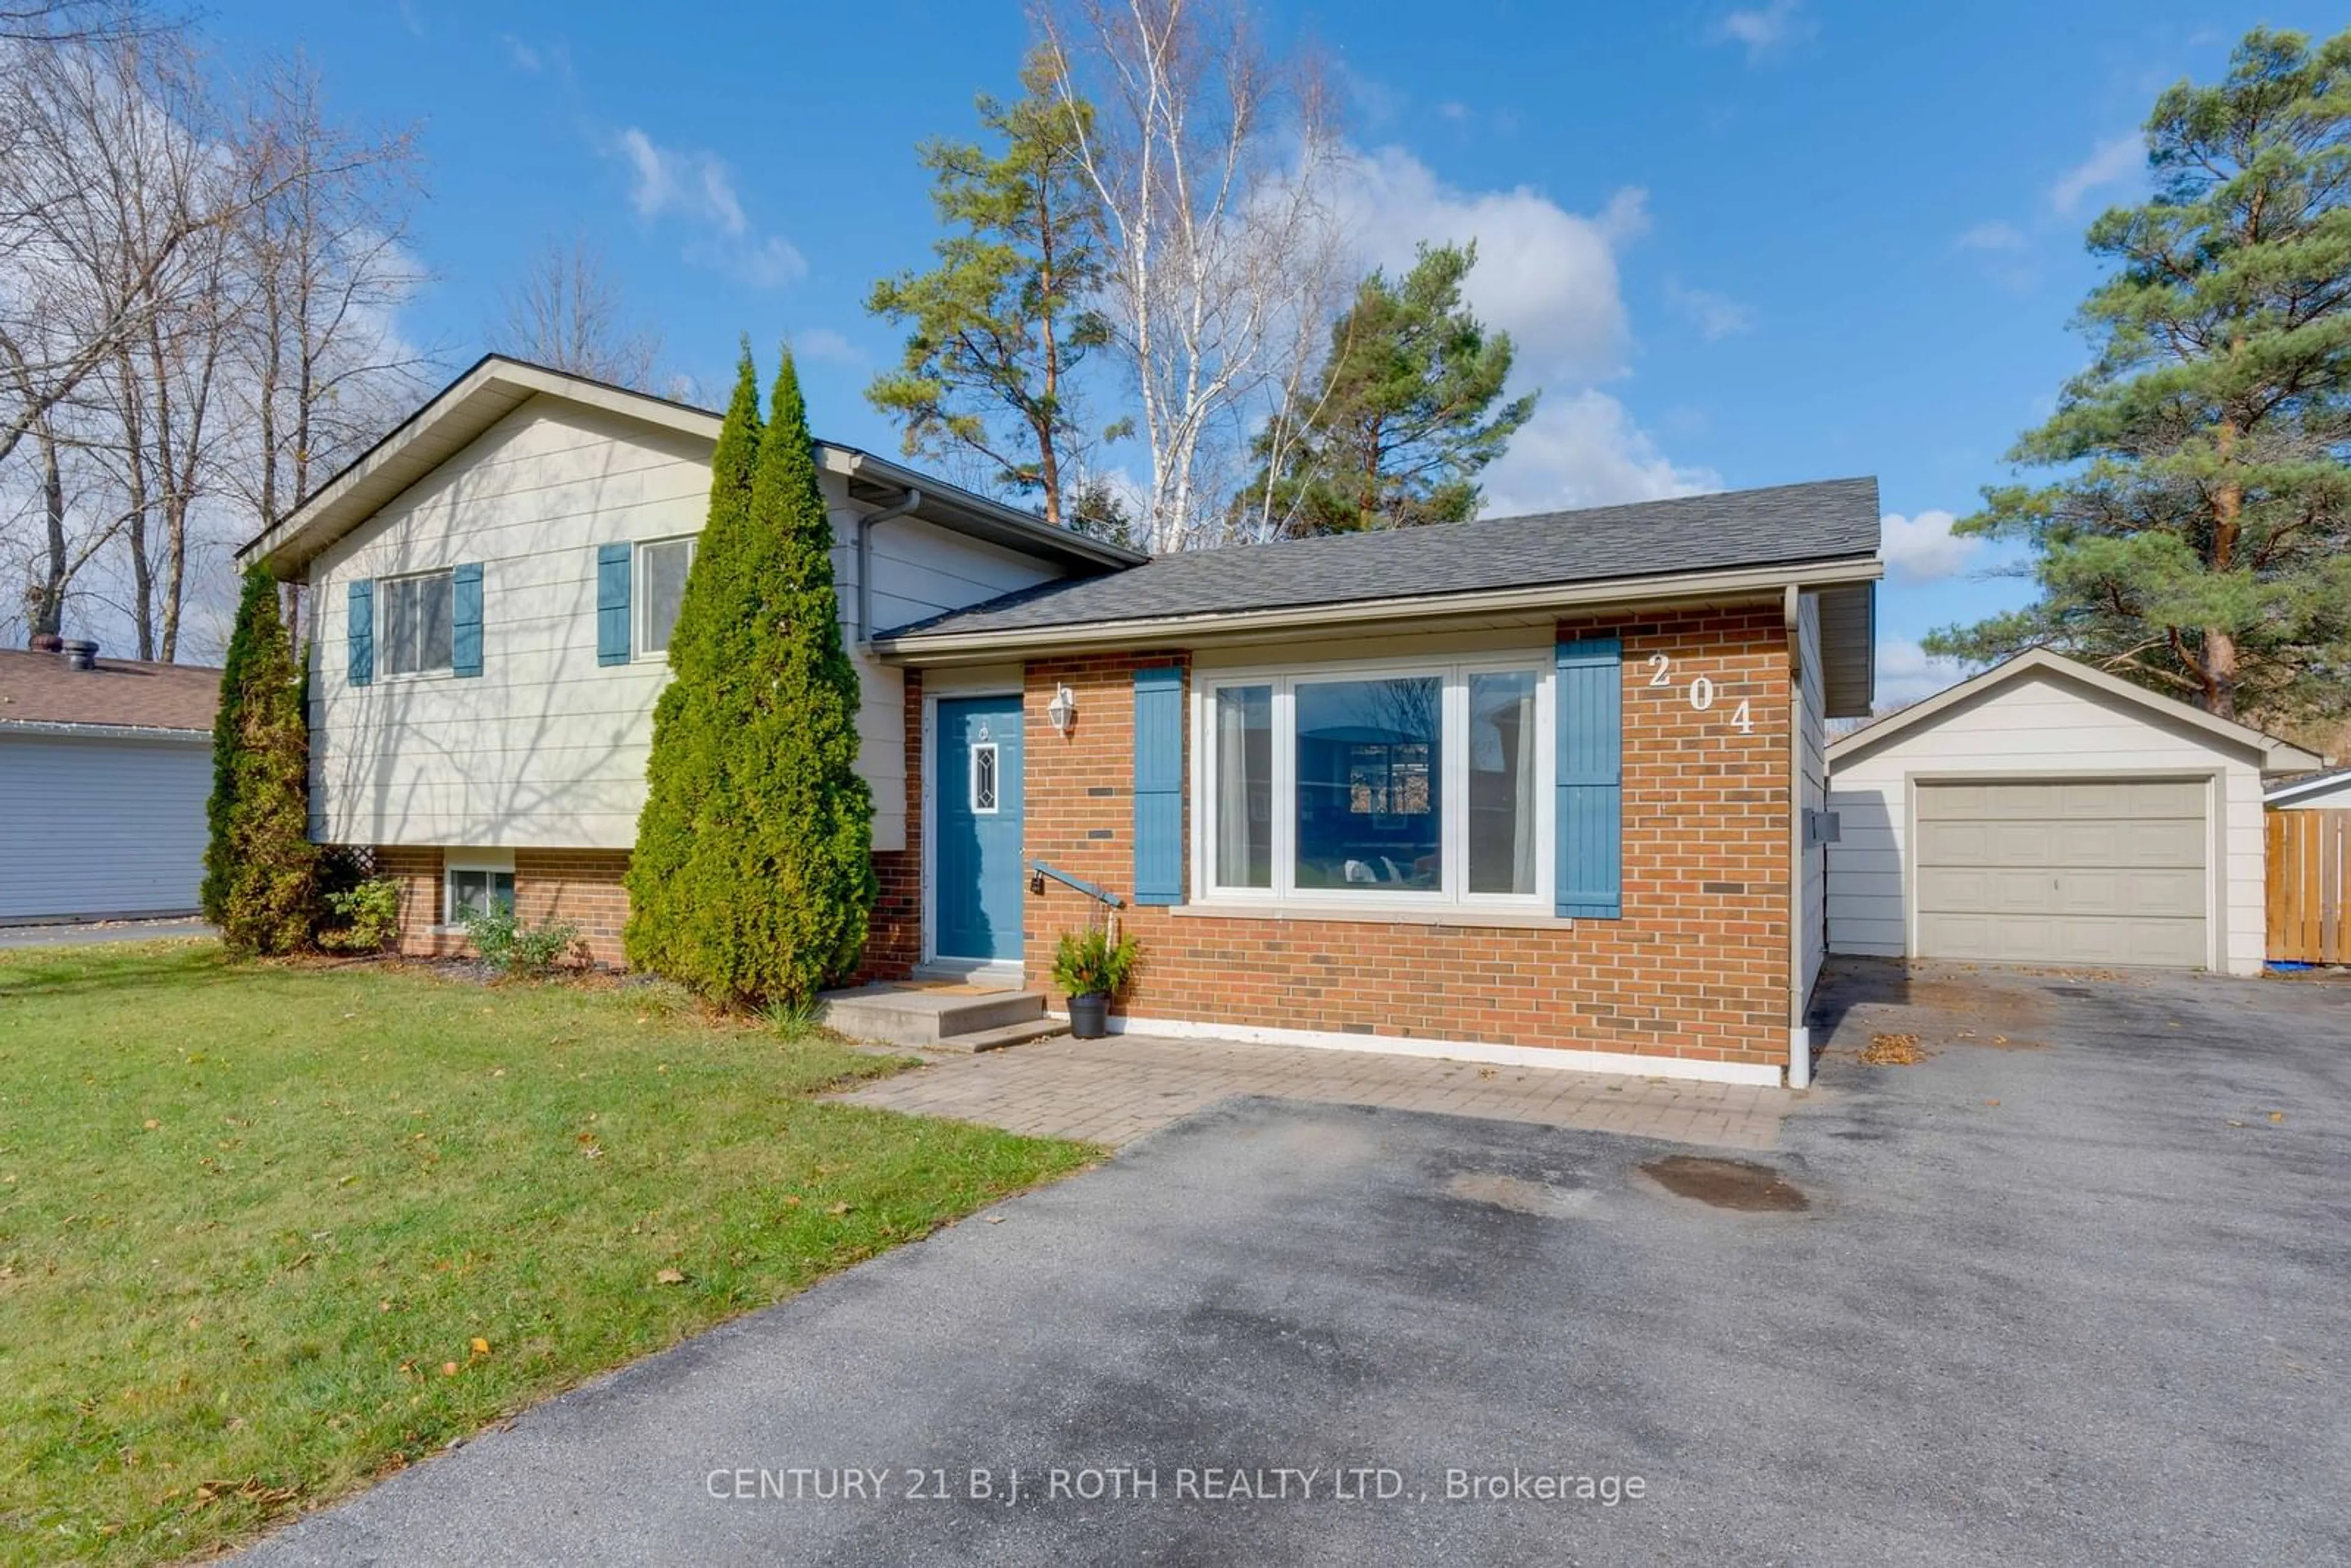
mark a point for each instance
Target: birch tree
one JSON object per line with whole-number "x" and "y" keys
{"x": 1212, "y": 163}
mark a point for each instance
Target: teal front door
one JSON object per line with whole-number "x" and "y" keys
{"x": 976, "y": 781}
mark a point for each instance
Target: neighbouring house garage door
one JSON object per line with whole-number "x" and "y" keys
{"x": 100, "y": 826}
{"x": 2069, "y": 872}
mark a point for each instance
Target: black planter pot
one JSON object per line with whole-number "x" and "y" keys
{"x": 1090, "y": 1015}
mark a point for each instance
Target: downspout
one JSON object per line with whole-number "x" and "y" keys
{"x": 1799, "y": 1039}
{"x": 898, "y": 509}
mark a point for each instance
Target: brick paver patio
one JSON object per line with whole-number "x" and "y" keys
{"x": 1114, "y": 1091}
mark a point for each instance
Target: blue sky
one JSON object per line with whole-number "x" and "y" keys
{"x": 1738, "y": 243}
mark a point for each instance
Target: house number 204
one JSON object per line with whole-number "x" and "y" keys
{"x": 1701, "y": 692}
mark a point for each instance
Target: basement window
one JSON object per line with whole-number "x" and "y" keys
{"x": 477, "y": 882}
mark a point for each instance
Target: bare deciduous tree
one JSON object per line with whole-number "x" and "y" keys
{"x": 195, "y": 317}
{"x": 322, "y": 249}
{"x": 566, "y": 313}
{"x": 1212, "y": 161}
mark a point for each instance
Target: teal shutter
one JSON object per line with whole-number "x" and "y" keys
{"x": 612, "y": 604}
{"x": 465, "y": 619}
{"x": 361, "y": 635}
{"x": 1159, "y": 785}
{"x": 1590, "y": 826}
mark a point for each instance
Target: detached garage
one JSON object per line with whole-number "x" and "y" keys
{"x": 104, "y": 770}
{"x": 2046, "y": 812}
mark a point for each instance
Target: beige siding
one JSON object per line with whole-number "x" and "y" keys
{"x": 547, "y": 749}
{"x": 1812, "y": 790}
{"x": 2046, "y": 726}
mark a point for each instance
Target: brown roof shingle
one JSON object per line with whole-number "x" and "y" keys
{"x": 132, "y": 694}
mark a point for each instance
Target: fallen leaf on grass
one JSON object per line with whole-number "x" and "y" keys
{"x": 480, "y": 1346}
{"x": 838, "y": 1209}
{"x": 1893, "y": 1051}
{"x": 669, "y": 1277}
{"x": 150, "y": 1124}
{"x": 248, "y": 1491}
{"x": 448, "y": 1369}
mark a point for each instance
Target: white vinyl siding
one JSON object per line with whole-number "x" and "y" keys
{"x": 2042, "y": 726}
{"x": 101, "y": 827}
{"x": 1812, "y": 795}
{"x": 548, "y": 748}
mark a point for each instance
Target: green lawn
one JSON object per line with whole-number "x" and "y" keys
{"x": 268, "y": 1232}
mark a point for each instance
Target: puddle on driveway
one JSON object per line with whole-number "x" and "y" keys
{"x": 1544, "y": 1202}
{"x": 1740, "y": 1185}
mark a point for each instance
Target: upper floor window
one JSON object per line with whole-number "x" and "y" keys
{"x": 417, "y": 623}
{"x": 662, "y": 567}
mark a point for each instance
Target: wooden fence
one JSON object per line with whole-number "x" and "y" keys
{"x": 2310, "y": 882}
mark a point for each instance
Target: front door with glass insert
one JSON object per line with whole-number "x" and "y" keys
{"x": 976, "y": 783}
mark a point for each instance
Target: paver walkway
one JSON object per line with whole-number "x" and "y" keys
{"x": 1114, "y": 1091}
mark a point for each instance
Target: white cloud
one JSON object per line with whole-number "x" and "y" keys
{"x": 1923, "y": 548}
{"x": 1992, "y": 234}
{"x": 1765, "y": 31}
{"x": 697, "y": 189}
{"x": 1551, "y": 278}
{"x": 524, "y": 58}
{"x": 1907, "y": 672}
{"x": 1545, "y": 275}
{"x": 1716, "y": 316}
{"x": 1583, "y": 449}
{"x": 2113, "y": 162}
{"x": 1453, "y": 110}
{"x": 824, "y": 343}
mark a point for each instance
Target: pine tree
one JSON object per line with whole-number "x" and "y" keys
{"x": 260, "y": 868}
{"x": 999, "y": 327}
{"x": 1402, "y": 420}
{"x": 2199, "y": 538}
{"x": 753, "y": 875}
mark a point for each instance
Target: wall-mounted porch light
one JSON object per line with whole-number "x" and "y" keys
{"x": 1062, "y": 711}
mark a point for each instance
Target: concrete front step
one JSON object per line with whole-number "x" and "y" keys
{"x": 929, "y": 1015}
{"x": 1006, "y": 1034}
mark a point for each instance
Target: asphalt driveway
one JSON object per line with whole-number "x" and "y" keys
{"x": 2075, "y": 1288}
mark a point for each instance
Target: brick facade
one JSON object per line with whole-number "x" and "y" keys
{"x": 582, "y": 886}
{"x": 1697, "y": 970}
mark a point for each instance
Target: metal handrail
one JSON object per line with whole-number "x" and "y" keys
{"x": 1098, "y": 894}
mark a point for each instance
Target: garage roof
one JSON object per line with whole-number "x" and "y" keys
{"x": 2277, "y": 755}
{"x": 43, "y": 689}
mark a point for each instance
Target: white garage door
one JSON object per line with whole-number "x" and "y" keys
{"x": 2071, "y": 871}
{"x": 101, "y": 827}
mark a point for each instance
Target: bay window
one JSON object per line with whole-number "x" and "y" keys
{"x": 1413, "y": 785}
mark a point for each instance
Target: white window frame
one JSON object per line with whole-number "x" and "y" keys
{"x": 1453, "y": 829}
{"x": 384, "y": 615}
{"x": 500, "y": 861}
{"x": 996, "y": 778}
{"x": 641, "y": 603}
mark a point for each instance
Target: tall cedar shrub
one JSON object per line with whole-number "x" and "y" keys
{"x": 261, "y": 870}
{"x": 753, "y": 876}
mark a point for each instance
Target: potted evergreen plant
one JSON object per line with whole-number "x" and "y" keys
{"x": 1091, "y": 967}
